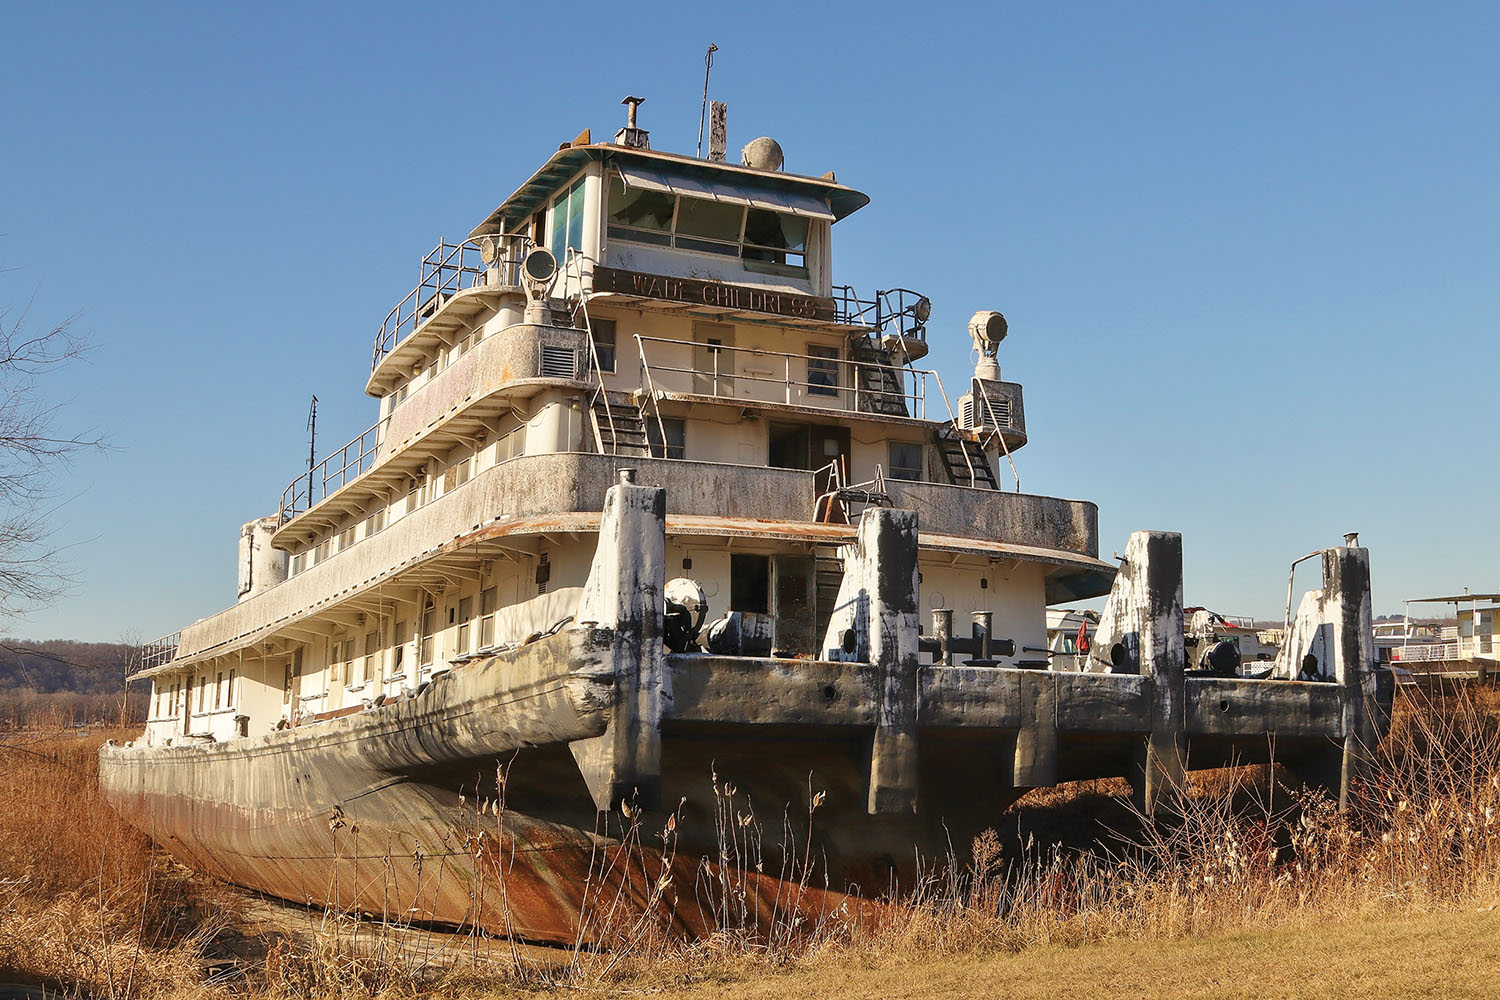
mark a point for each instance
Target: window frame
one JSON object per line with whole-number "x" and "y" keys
{"x": 826, "y": 365}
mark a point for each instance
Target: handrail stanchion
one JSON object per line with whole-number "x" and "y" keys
{"x": 661, "y": 429}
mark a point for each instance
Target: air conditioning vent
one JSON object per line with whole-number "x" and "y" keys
{"x": 559, "y": 362}
{"x": 973, "y": 412}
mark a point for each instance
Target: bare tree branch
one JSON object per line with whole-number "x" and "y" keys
{"x": 32, "y": 454}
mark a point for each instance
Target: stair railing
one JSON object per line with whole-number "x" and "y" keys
{"x": 598, "y": 393}
{"x": 661, "y": 429}
{"x": 958, "y": 434}
{"x": 989, "y": 410}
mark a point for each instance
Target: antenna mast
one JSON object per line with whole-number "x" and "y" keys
{"x": 708, "y": 64}
{"x": 312, "y": 427}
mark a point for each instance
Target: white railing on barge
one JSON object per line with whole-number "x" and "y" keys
{"x": 1429, "y": 651}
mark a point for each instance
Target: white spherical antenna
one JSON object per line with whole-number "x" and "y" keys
{"x": 489, "y": 250}
{"x": 987, "y": 328}
{"x": 763, "y": 154}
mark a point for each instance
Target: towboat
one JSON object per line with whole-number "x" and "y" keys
{"x": 661, "y": 534}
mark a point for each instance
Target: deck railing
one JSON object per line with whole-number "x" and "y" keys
{"x": 722, "y": 370}
{"x": 902, "y": 308}
{"x": 447, "y": 270}
{"x": 331, "y": 474}
{"x": 156, "y": 652}
{"x": 1428, "y": 651}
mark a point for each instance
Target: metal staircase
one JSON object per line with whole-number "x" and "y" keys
{"x": 964, "y": 458}
{"x": 877, "y": 386}
{"x": 619, "y": 425}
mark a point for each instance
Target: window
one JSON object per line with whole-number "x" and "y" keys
{"x": 638, "y": 215}
{"x": 323, "y": 549}
{"x": 202, "y": 692}
{"x": 398, "y": 661}
{"x": 229, "y": 693}
{"x": 543, "y": 572}
{"x": 822, "y": 370}
{"x": 750, "y": 583}
{"x": 375, "y": 522}
{"x": 346, "y": 538}
{"x": 676, "y": 443}
{"x": 766, "y": 240}
{"x": 775, "y": 238}
{"x": 511, "y": 445}
{"x": 906, "y": 461}
{"x": 429, "y": 626}
{"x": 604, "y": 344}
{"x": 461, "y": 472}
{"x": 465, "y": 613}
{"x": 372, "y": 642}
{"x": 709, "y": 226}
{"x": 487, "y": 618}
{"x": 567, "y": 222}
{"x": 219, "y": 691}
{"x": 297, "y": 561}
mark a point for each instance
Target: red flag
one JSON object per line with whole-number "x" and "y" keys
{"x": 1082, "y": 640}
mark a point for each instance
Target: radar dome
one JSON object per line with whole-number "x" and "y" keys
{"x": 763, "y": 154}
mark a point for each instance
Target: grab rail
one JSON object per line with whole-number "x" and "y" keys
{"x": 916, "y": 396}
{"x": 447, "y": 269}
{"x": 338, "y": 469}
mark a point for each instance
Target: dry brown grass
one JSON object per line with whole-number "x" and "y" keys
{"x": 87, "y": 904}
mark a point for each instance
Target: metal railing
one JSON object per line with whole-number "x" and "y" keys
{"x": 788, "y": 372}
{"x": 905, "y": 309}
{"x": 1428, "y": 651}
{"x": 157, "y": 652}
{"x": 447, "y": 270}
{"x": 331, "y": 474}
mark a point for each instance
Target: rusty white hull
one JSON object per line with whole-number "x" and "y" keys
{"x": 635, "y": 778}
{"x": 398, "y": 811}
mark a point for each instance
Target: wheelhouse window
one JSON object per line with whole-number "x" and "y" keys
{"x": 638, "y": 215}
{"x": 765, "y": 239}
{"x": 906, "y": 461}
{"x": 822, "y": 370}
{"x": 710, "y": 226}
{"x": 567, "y": 222}
{"x": 775, "y": 237}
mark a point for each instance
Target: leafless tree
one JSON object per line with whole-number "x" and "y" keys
{"x": 33, "y": 451}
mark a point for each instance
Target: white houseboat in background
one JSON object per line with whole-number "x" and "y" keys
{"x": 1430, "y": 651}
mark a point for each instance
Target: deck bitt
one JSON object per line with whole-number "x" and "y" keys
{"x": 624, "y": 593}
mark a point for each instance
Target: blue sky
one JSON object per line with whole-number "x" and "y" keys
{"x": 1248, "y": 252}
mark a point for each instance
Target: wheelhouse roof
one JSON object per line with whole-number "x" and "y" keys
{"x": 1455, "y": 599}
{"x": 520, "y": 206}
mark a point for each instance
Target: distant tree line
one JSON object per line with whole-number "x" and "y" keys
{"x": 60, "y": 680}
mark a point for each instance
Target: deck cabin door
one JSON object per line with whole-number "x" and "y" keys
{"x": 713, "y": 366}
{"x": 829, "y": 445}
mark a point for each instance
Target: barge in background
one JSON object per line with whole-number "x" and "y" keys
{"x": 632, "y": 399}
